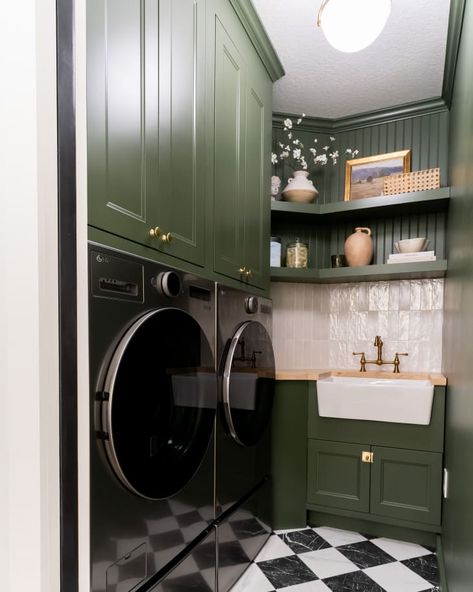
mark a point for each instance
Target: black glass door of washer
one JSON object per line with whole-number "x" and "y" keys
{"x": 248, "y": 383}
{"x": 158, "y": 405}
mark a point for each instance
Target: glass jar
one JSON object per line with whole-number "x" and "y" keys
{"x": 275, "y": 251}
{"x": 297, "y": 254}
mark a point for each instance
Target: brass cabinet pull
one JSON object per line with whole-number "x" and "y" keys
{"x": 242, "y": 270}
{"x": 367, "y": 457}
{"x": 155, "y": 232}
{"x": 248, "y": 273}
{"x": 167, "y": 237}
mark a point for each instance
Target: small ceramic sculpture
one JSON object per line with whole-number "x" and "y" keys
{"x": 275, "y": 185}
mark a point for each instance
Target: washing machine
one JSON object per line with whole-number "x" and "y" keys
{"x": 153, "y": 400}
{"x": 246, "y": 376}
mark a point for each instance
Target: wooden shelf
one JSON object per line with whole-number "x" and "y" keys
{"x": 367, "y": 273}
{"x": 404, "y": 203}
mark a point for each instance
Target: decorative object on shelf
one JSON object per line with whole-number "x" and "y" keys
{"x": 338, "y": 261}
{"x": 275, "y": 187}
{"x": 352, "y": 25}
{"x": 412, "y": 257}
{"x": 275, "y": 259}
{"x": 411, "y": 245}
{"x": 299, "y": 188}
{"x": 293, "y": 153}
{"x": 297, "y": 254}
{"x": 364, "y": 177}
{"x": 359, "y": 247}
{"x": 410, "y": 182}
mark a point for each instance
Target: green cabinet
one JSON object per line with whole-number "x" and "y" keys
{"x": 146, "y": 124}
{"x": 387, "y": 482}
{"x": 335, "y": 476}
{"x": 242, "y": 141}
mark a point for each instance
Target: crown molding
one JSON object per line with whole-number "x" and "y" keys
{"x": 258, "y": 36}
{"x": 455, "y": 25}
{"x": 342, "y": 124}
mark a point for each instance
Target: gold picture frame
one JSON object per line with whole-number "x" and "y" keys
{"x": 364, "y": 176}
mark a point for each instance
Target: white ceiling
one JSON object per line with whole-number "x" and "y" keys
{"x": 404, "y": 64}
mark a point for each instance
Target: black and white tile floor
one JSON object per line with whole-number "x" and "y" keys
{"x": 331, "y": 560}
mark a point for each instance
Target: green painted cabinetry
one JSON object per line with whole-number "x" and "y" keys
{"x": 397, "y": 483}
{"x": 242, "y": 141}
{"x": 335, "y": 476}
{"x": 402, "y": 481}
{"x": 146, "y": 124}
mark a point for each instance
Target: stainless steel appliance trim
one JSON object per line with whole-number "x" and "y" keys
{"x": 109, "y": 385}
{"x": 226, "y": 380}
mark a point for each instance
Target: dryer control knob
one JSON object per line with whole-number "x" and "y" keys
{"x": 251, "y": 304}
{"x": 168, "y": 283}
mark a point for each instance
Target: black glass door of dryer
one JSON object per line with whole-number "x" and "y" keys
{"x": 158, "y": 403}
{"x": 248, "y": 383}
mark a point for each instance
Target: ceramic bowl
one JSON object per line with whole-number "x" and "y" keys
{"x": 411, "y": 245}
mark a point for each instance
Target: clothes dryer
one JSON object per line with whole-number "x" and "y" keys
{"x": 152, "y": 415}
{"x": 246, "y": 375}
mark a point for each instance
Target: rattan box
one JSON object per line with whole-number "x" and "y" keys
{"x": 409, "y": 182}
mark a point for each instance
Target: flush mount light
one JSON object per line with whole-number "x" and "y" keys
{"x": 352, "y": 25}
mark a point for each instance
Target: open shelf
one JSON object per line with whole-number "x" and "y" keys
{"x": 367, "y": 273}
{"x": 403, "y": 203}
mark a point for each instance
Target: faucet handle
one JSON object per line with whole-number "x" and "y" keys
{"x": 362, "y": 360}
{"x": 397, "y": 361}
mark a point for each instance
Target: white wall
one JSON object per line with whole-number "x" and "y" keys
{"x": 29, "y": 426}
{"x": 320, "y": 326}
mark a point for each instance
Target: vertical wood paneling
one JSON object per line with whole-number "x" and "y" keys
{"x": 426, "y": 136}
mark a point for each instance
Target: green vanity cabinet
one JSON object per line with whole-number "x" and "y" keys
{"x": 242, "y": 141}
{"x": 383, "y": 472}
{"x": 396, "y": 483}
{"x": 146, "y": 123}
{"x": 335, "y": 476}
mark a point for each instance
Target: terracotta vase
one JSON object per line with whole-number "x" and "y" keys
{"x": 359, "y": 247}
{"x": 299, "y": 188}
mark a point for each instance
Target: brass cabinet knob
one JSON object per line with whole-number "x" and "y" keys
{"x": 166, "y": 237}
{"x": 242, "y": 270}
{"x": 248, "y": 273}
{"x": 155, "y": 232}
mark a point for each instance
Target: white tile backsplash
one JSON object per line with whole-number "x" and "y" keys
{"x": 319, "y": 326}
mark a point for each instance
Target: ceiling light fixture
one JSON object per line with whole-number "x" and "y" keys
{"x": 352, "y": 25}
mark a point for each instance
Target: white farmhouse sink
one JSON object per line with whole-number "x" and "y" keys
{"x": 376, "y": 399}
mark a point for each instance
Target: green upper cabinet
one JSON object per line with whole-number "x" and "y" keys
{"x": 146, "y": 122}
{"x": 242, "y": 144}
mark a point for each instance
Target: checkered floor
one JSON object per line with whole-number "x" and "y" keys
{"x": 330, "y": 560}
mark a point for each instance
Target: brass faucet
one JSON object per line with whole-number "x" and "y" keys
{"x": 378, "y": 342}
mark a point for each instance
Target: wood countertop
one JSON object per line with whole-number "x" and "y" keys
{"x": 435, "y": 379}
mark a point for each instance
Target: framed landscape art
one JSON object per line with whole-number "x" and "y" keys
{"x": 364, "y": 177}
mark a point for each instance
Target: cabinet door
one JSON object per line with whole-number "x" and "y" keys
{"x": 337, "y": 477}
{"x": 230, "y": 83}
{"x": 178, "y": 205}
{"x": 122, "y": 115}
{"x": 257, "y": 172}
{"x": 406, "y": 484}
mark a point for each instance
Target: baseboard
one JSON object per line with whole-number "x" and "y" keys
{"x": 441, "y": 563}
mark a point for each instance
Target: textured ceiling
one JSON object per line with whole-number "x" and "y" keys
{"x": 404, "y": 64}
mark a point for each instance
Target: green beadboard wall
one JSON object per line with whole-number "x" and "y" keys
{"x": 426, "y": 134}
{"x": 458, "y": 330}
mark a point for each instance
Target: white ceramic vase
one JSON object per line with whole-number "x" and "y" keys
{"x": 359, "y": 247}
{"x": 299, "y": 188}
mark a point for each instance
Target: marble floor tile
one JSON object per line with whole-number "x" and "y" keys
{"x": 287, "y": 571}
{"x": 357, "y": 581}
{"x": 399, "y": 549}
{"x": 303, "y": 541}
{"x": 253, "y": 580}
{"x": 426, "y": 567}
{"x": 327, "y": 563}
{"x": 396, "y": 577}
{"x": 317, "y": 586}
{"x": 337, "y": 537}
{"x": 365, "y": 554}
{"x": 273, "y": 549}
